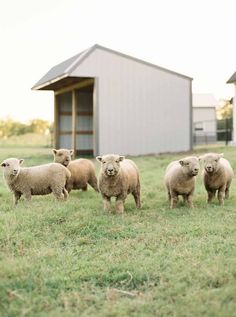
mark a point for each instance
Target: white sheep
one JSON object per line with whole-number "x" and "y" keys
{"x": 118, "y": 177}
{"x": 217, "y": 176}
{"x": 180, "y": 180}
{"x": 82, "y": 170}
{"x": 36, "y": 180}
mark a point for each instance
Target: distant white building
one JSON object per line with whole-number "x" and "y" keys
{"x": 204, "y": 118}
{"x": 232, "y": 80}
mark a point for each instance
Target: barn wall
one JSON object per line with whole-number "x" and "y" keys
{"x": 141, "y": 109}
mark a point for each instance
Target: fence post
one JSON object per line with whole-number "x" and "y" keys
{"x": 226, "y": 131}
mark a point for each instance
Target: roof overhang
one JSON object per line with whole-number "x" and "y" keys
{"x": 60, "y": 83}
{"x": 232, "y": 79}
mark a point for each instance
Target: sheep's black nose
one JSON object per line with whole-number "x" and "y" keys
{"x": 110, "y": 169}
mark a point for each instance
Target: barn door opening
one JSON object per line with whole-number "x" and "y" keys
{"x": 84, "y": 121}
{"x": 74, "y": 119}
{"x": 64, "y": 119}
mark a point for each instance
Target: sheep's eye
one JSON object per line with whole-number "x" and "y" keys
{"x": 59, "y": 154}
{"x": 117, "y": 161}
{"x": 187, "y": 164}
{"x": 7, "y": 164}
{"x": 103, "y": 162}
{"x": 216, "y": 160}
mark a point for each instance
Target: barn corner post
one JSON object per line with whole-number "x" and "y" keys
{"x": 95, "y": 118}
{"x": 56, "y": 122}
{"x": 234, "y": 115}
{"x": 74, "y": 114}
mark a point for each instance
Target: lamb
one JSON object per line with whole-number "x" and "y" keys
{"x": 180, "y": 180}
{"x": 37, "y": 180}
{"x": 82, "y": 170}
{"x": 217, "y": 176}
{"x": 118, "y": 177}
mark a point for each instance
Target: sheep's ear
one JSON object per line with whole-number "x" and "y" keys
{"x": 181, "y": 162}
{"x": 54, "y": 151}
{"x": 221, "y": 155}
{"x": 99, "y": 158}
{"x": 121, "y": 158}
{"x": 199, "y": 158}
{"x": 3, "y": 164}
{"x": 21, "y": 161}
{"x": 71, "y": 152}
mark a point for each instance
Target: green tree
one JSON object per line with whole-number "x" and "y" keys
{"x": 225, "y": 109}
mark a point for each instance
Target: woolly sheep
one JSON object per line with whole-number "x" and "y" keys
{"x": 118, "y": 177}
{"x": 180, "y": 180}
{"x": 217, "y": 176}
{"x": 37, "y": 180}
{"x": 82, "y": 170}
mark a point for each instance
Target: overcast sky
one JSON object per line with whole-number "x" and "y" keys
{"x": 192, "y": 37}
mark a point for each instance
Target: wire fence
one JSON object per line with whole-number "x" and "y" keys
{"x": 210, "y": 132}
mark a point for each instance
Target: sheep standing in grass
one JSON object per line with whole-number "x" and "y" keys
{"x": 37, "y": 180}
{"x": 82, "y": 170}
{"x": 118, "y": 177}
{"x": 180, "y": 180}
{"x": 217, "y": 176}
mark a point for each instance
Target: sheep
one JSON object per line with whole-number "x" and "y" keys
{"x": 217, "y": 176}
{"x": 180, "y": 180}
{"x": 82, "y": 170}
{"x": 117, "y": 178}
{"x": 37, "y": 180}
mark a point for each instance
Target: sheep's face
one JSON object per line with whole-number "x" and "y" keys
{"x": 211, "y": 162}
{"x": 12, "y": 166}
{"x": 62, "y": 156}
{"x": 110, "y": 164}
{"x": 190, "y": 165}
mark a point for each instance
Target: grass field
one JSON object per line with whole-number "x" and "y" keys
{"x": 72, "y": 259}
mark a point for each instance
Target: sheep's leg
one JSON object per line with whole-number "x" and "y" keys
{"x": 58, "y": 192}
{"x": 221, "y": 195}
{"x": 27, "y": 195}
{"x": 85, "y": 188}
{"x": 137, "y": 199}
{"x": 65, "y": 192}
{"x": 136, "y": 194}
{"x": 93, "y": 183}
{"x": 119, "y": 206}
{"x": 227, "y": 193}
{"x": 211, "y": 195}
{"x": 174, "y": 199}
{"x": 16, "y": 197}
{"x": 169, "y": 196}
{"x": 189, "y": 199}
{"x": 69, "y": 186}
{"x": 106, "y": 203}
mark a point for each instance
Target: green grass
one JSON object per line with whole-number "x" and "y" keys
{"x": 72, "y": 259}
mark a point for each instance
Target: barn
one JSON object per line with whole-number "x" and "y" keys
{"x": 204, "y": 118}
{"x": 109, "y": 102}
{"x": 232, "y": 80}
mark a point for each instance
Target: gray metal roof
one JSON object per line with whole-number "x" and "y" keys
{"x": 65, "y": 68}
{"x": 232, "y": 79}
{"x": 59, "y": 71}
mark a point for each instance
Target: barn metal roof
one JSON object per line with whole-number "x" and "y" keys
{"x": 63, "y": 70}
{"x": 232, "y": 79}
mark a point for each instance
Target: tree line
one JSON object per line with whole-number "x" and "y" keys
{"x": 10, "y": 127}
